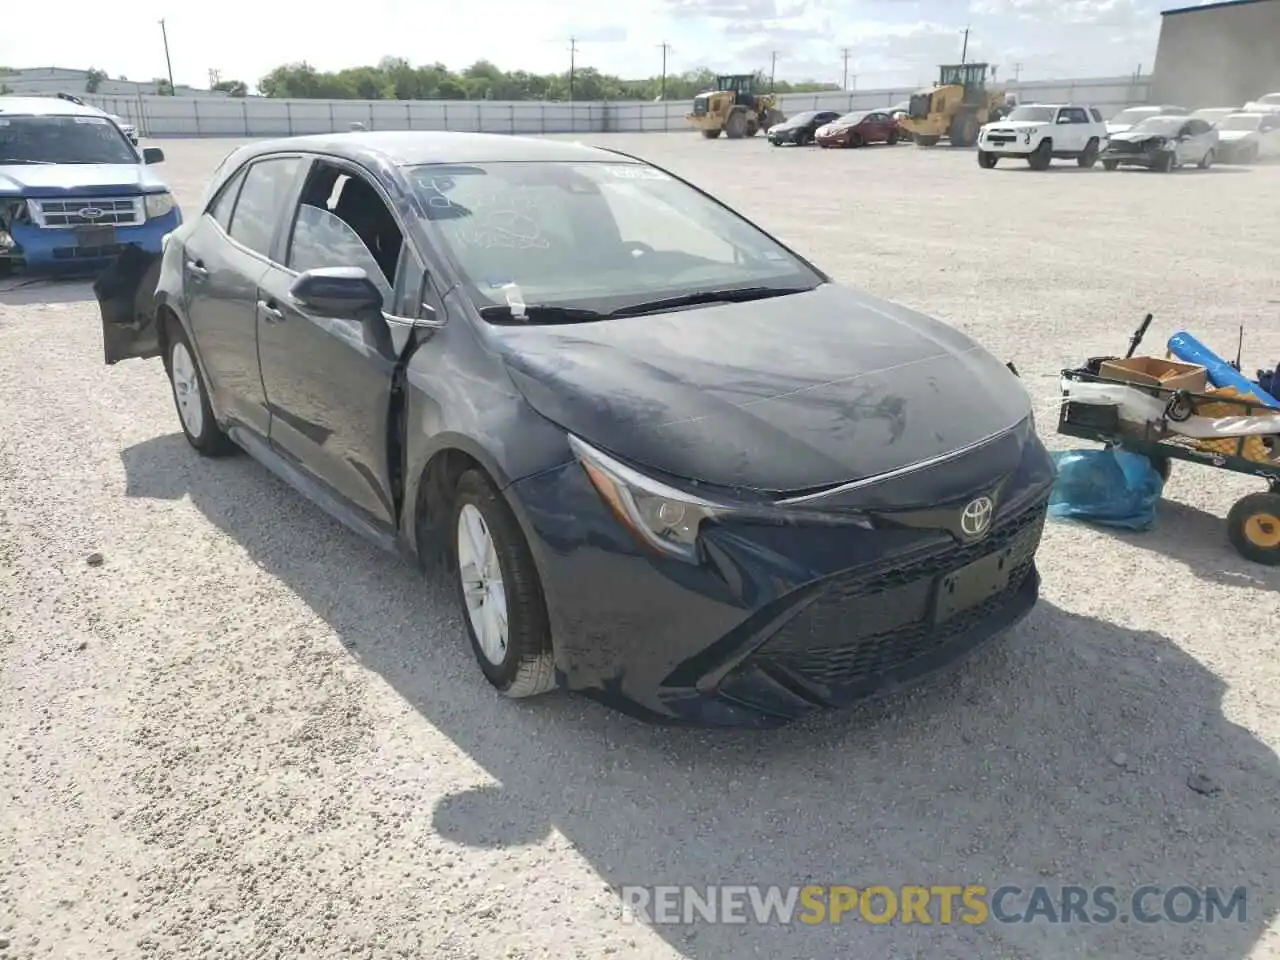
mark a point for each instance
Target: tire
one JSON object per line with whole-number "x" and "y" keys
{"x": 711, "y": 134}
{"x": 1110, "y": 164}
{"x": 987, "y": 161}
{"x": 736, "y": 126}
{"x": 488, "y": 543}
{"x": 893, "y": 137}
{"x": 1253, "y": 527}
{"x": 191, "y": 396}
{"x": 752, "y": 129}
{"x": 927, "y": 140}
{"x": 1090, "y": 155}
{"x": 1206, "y": 161}
{"x": 855, "y": 140}
{"x": 963, "y": 131}
{"x": 1041, "y": 156}
{"x": 1165, "y": 164}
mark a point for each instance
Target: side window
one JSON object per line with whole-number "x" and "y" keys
{"x": 266, "y": 185}
{"x": 221, "y": 207}
{"x": 343, "y": 222}
{"x": 1096, "y": 114}
{"x": 1078, "y": 115}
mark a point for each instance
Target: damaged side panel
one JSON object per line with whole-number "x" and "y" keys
{"x": 126, "y": 294}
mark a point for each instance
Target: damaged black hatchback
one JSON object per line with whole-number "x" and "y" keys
{"x": 675, "y": 466}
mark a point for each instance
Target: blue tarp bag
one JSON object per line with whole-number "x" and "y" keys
{"x": 1110, "y": 487}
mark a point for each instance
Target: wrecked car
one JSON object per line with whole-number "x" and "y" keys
{"x": 668, "y": 462}
{"x": 1163, "y": 143}
{"x": 74, "y": 191}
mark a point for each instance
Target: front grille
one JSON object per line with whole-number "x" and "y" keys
{"x": 862, "y": 626}
{"x": 1000, "y": 138}
{"x": 90, "y": 253}
{"x": 1127, "y": 146}
{"x": 88, "y": 212}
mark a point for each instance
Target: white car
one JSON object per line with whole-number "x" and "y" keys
{"x": 1246, "y": 137}
{"x": 1042, "y": 132}
{"x": 1163, "y": 143}
{"x": 1214, "y": 114}
{"x": 1129, "y": 118}
{"x": 1269, "y": 103}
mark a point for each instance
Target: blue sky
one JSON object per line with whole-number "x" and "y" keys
{"x": 893, "y": 42}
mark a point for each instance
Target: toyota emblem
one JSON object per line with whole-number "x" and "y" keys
{"x": 89, "y": 213}
{"x": 975, "y": 518}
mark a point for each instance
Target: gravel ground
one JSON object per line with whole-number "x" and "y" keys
{"x": 230, "y": 728}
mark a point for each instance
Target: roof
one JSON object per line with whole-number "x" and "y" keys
{"x": 48, "y": 107}
{"x": 409, "y": 147}
{"x": 1211, "y": 6}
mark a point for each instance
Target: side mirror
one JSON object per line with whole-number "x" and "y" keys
{"x": 152, "y": 155}
{"x": 337, "y": 292}
{"x": 1064, "y": 119}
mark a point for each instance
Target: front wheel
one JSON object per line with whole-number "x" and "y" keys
{"x": 1206, "y": 161}
{"x": 1110, "y": 164}
{"x": 501, "y": 594}
{"x": 191, "y": 397}
{"x": 1040, "y": 157}
{"x": 1253, "y": 527}
{"x": 1090, "y": 155}
{"x": 986, "y": 160}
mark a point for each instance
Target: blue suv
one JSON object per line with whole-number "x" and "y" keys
{"x": 74, "y": 191}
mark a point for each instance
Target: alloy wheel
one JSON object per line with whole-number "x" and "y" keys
{"x": 186, "y": 389}
{"x": 482, "y": 585}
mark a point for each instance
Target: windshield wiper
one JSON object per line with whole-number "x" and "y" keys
{"x": 4, "y": 161}
{"x": 541, "y": 313}
{"x": 730, "y": 295}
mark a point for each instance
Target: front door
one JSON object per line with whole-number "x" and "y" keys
{"x": 328, "y": 379}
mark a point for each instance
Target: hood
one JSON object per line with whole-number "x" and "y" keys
{"x": 82, "y": 179}
{"x": 1137, "y": 136}
{"x": 1018, "y": 125}
{"x": 1114, "y": 128}
{"x": 1235, "y": 136}
{"x": 780, "y": 395}
{"x": 1256, "y": 106}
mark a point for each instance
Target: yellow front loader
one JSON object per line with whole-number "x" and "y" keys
{"x": 734, "y": 108}
{"x": 955, "y": 107}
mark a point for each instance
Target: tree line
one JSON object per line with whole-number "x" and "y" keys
{"x": 394, "y": 78}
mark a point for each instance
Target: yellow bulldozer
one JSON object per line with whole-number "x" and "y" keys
{"x": 734, "y": 108}
{"x": 955, "y": 107}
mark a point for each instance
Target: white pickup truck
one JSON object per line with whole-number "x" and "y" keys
{"x": 1041, "y": 132}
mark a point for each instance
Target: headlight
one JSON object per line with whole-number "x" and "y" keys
{"x": 661, "y": 517}
{"x": 158, "y": 204}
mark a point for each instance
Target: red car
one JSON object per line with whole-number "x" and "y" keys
{"x": 858, "y": 128}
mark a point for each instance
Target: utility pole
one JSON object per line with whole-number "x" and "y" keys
{"x": 168, "y": 63}
{"x": 665, "y": 47}
{"x": 773, "y": 69}
{"x": 572, "y": 65}
{"x": 844, "y": 53}
{"x": 964, "y": 51}
{"x": 1017, "y": 72}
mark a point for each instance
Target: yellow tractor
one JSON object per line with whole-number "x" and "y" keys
{"x": 955, "y": 107}
{"x": 734, "y": 108}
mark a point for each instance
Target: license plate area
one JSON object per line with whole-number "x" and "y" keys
{"x": 969, "y": 586}
{"x": 95, "y": 236}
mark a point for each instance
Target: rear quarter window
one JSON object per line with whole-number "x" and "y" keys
{"x": 1096, "y": 114}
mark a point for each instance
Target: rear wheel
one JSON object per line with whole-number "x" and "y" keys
{"x": 893, "y": 137}
{"x": 191, "y": 397}
{"x": 502, "y": 600}
{"x": 1110, "y": 164}
{"x": 1090, "y": 155}
{"x": 987, "y": 161}
{"x": 1253, "y": 527}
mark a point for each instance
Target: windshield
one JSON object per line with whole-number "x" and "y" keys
{"x": 1271, "y": 99}
{"x": 1240, "y": 122}
{"x": 596, "y": 236}
{"x": 1036, "y": 114}
{"x": 852, "y": 118}
{"x": 63, "y": 140}
{"x": 803, "y": 117}
{"x": 1163, "y": 125}
{"x": 1132, "y": 115}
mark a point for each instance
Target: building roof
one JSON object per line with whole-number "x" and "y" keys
{"x": 1212, "y": 6}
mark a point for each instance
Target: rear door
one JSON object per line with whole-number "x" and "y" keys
{"x": 224, "y": 261}
{"x": 328, "y": 380}
{"x": 878, "y": 126}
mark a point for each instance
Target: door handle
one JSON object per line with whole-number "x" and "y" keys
{"x": 196, "y": 268}
{"x": 270, "y": 311}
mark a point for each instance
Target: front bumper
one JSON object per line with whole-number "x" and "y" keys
{"x": 841, "y": 139}
{"x": 1009, "y": 145}
{"x": 787, "y": 136}
{"x": 775, "y": 621}
{"x": 1125, "y": 158}
{"x": 64, "y": 251}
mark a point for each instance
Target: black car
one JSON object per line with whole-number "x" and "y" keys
{"x": 800, "y": 129}
{"x": 674, "y": 465}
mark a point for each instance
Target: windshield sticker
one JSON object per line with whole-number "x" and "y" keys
{"x": 90, "y": 119}
{"x": 635, "y": 171}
